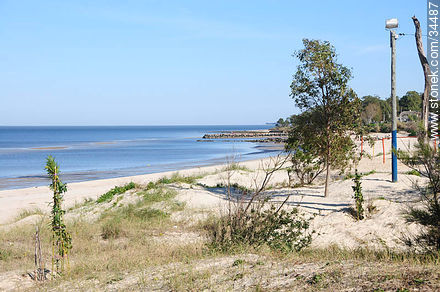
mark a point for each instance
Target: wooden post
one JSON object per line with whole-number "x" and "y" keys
{"x": 383, "y": 149}
{"x": 39, "y": 265}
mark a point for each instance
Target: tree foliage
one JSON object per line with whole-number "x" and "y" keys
{"x": 331, "y": 109}
{"x": 304, "y": 165}
{"x": 411, "y": 101}
{"x": 382, "y": 109}
{"x": 426, "y": 161}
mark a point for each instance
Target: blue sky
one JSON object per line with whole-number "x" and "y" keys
{"x": 186, "y": 62}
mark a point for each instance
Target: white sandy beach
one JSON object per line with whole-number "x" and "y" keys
{"x": 332, "y": 222}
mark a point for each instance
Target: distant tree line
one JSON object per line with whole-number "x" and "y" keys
{"x": 376, "y": 112}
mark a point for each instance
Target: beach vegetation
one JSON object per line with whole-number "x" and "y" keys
{"x": 275, "y": 227}
{"x": 235, "y": 187}
{"x": 85, "y": 202}
{"x": 111, "y": 228}
{"x": 413, "y": 172}
{"x": 252, "y": 220}
{"x": 108, "y": 196}
{"x": 304, "y": 164}
{"x": 237, "y": 167}
{"x": 61, "y": 238}
{"x": 156, "y": 195}
{"x": 330, "y": 108}
{"x": 426, "y": 161}
{"x": 28, "y": 212}
{"x": 177, "y": 178}
{"x": 358, "y": 196}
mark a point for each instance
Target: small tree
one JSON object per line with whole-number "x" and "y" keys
{"x": 61, "y": 239}
{"x": 331, "y": 109}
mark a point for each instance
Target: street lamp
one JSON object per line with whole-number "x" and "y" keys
{"x": 390, "y": 24}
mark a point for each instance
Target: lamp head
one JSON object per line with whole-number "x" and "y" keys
{"x": 391, "y": 23}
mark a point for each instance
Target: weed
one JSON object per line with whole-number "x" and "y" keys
{"x": 316, "y": 279}
{"x": 108, "y": 196}
{"x": 238, "y": 262}
{"x": 61, "y": 239}
{"x": 413, "y": 172}
{"x": 369, "y": 173}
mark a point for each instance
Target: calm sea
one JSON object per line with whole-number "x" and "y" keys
{"x": 86, "y": 153}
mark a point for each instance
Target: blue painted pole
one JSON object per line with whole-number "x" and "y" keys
{"x": 393, "y": 37}
{"x": 394, "y": 157}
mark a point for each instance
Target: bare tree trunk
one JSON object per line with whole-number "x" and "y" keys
{"x": 327, "y": 166}
{"x": 426, "y": 73}
{"x": 327, "y": 180}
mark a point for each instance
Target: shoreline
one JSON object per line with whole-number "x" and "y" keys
{"x": 13, "y": 201}
{"x": 36, "y": 180}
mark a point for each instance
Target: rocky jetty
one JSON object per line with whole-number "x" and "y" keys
{"x": 272, "y": 136}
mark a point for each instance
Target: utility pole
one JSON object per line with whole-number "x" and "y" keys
{"x": 393, "y": 36}
{"x": 393, "y": 23}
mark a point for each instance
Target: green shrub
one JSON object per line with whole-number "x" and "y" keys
{"x": 108, "y": 196}
{"x": 304, "y": 165}
{"x": 372, "y": 128}
{"x": 274, "y": 227}
{"x": 177, "y": 178}
{"x": 385, "y": 128}
{"x": 157, "y": 195}
{"x": 150, "y": 213}
{"x": 358, "y": 197}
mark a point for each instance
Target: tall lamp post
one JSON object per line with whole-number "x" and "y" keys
{"x": 390, "y": 24}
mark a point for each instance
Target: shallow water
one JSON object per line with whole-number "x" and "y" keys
{"x": 86, "y": 153}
